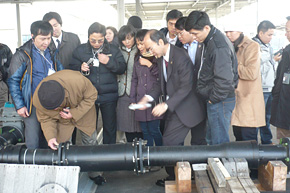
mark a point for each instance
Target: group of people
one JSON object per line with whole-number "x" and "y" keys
{"x": 188, "y": 76}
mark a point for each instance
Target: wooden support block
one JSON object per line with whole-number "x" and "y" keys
{"x": 236, "y": 186}
{"x": 170, "y": 187}
{"x": 217, "y": 172}
{"x": 242, "y": 167}
{"x": 230, "y": 165}
{"x": 248, "y": 185}
{"x": 217, "y": 189}
{"x": 202, "y": 182}
{"x": 273, "y": 176}
{"x": 183, "y": 177}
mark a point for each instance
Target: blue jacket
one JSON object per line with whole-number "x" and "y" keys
{"x": 20, "y": 76}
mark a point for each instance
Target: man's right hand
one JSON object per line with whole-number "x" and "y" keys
{"x": 143, "y": 101}
{"x": 23, "y": 112}
{"x": 52, "y": 143}
{"x": 85, "y": 67}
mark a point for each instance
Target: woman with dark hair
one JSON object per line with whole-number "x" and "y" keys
{"x": 101, "y": 62}
{"x": 125, "y": 117}
{"x": 145, "y": 75}
{"x": 112, "y": 35}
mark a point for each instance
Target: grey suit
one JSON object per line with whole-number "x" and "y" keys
{"x": 185, "y": 110}
{"x": 69, "y": 43}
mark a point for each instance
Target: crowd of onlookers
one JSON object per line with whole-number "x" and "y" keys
{"x": 152, "y": 84}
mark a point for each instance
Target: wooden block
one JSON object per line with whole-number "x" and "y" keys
{"x": 217, "y": 173}
{"x": 170, "y": 187}
{"x": 248, "y": 185}
{"x": 230, "y": 165}
{"x": 235, "y": 185}
{"x": 183, "y": 177}
{"x": 202, "y": 182}
{"x": 215, "y": 186}
{"x": 199, "y": 167}
{"x": 242, "y": 167}
{"x": 273, "y": 176}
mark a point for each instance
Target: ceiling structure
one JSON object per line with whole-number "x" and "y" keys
{"x": 157, "y": 10}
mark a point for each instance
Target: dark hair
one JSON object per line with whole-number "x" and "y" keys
{"x": 180, "y": 23}
{"x": 52, "y": 15}
{"x": 141, "y": 34}
{"x": 40, "y": 28}
{"x": 197, "y": 20}
{"x": 288, "y": 18}
{"x": 156, "y": 35}
{"x": 265, "y": 26}
{"x": 173, "y": 14}
{"x": 126, "y": 31}
{"x": 97, "y": 28}
{"x": 135, "y": 21}
{"x": 114, "y": 30}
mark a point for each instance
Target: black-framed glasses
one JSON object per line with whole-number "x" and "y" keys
{"x": 100, "y": 41}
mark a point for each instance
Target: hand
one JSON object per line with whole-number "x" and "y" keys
{"x": 277, "y": 57}
{"x": 159, "y": 109}
{"x": 85, "y": 67}
{"x": 52, "y": 143}
{"x": 209, "y": 102}
{"x": 103, "y": 58}
{"x": 145, "y": 62}
{"x": 65, "y": 114}
{"x": 23, "y": 112}
{"x": 143, "y": 101}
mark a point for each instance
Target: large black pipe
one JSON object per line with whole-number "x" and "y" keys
{"x": 136, "y": 156}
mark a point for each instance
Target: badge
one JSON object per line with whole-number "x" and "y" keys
{"x": 50, "y": 72}
{"x": 286, "y": 78}
{"x": 96, "y": 62}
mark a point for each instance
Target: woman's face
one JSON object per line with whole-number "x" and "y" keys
{"x": 141, "y": 46}
{"x": 109, "y": 35}
{"x": 128, "y": 42}
{"x": 96, "y": 40}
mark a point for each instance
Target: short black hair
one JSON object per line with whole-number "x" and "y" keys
{"x": 126, "y": 31}
{"x": 52, "y": 15}
{"x": 180, "y": 23}
{"x": 141, "y": 34}
{"x": 40, "y": 28}
{"x": 288, "y": 18}
{"x": 265, "y": 26}
{"x": 96, "y": 27}
{"x": 197, "y": 20}
{"x": 114, "y": 30}
{"x": 173, "y": 14}
{"x": 135, "y": 21}
{"x": 156, "y": 35}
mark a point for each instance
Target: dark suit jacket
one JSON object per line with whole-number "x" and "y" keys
{"x": 183, "y": 99}
{"x": 69, "y": 43}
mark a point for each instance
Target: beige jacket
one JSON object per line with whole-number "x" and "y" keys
{"x": 250, "y": 107}
{"x": 80, "y": 96}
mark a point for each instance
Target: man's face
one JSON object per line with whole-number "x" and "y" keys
{"x": 171, "y": 26}
{"x": 287, "y": 34}
{"x": 200, "y": 35}
{"x": 96, "y": 40}
{"x": 153, "y": 47}
{"x": 233, "y": 35}
{"x": 184, "y": 36}
{"x": 42, "y": 41}
{"x": 56, "y": 27}
{"x": 267, "y": 36}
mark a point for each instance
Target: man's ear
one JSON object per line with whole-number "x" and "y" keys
{"x": 260, "y": 33}
{"x": 160, "y": 42}
{"x": 32, "y": 37}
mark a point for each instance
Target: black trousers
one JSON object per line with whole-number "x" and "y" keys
{"x": 108, "y": 111}
{"x": 198, "y": 134}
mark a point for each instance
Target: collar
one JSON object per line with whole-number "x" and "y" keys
{"x": 257, "y": 37}
{"x": 170, "y": 40}
{"x": 59, "y": 38}
{"x": 166, "y": 57}
{"x": 191, "y": 44}
{"x": 210, "y": 34}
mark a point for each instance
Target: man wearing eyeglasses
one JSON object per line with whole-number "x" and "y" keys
{"x": 194, "y": 50}
{"x": 63, "y": 42}
{"x": 217, "y": 77}
{"x": 101, "y": 62}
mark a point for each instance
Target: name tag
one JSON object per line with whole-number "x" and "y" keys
{"x": 96, "y": 63}
{"x": 50, "y": 72}
{"x": 286, "y": 78}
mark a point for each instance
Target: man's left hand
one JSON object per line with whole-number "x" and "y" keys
{"x": 65, "y": 114}
{"x": 103, "y": 58}
{"x": 159, "y": 109}
{"x": 277, "y": 57}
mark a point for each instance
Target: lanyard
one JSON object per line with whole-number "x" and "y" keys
{"x": 42, "y": 54}
{"x": 97, "y": 51}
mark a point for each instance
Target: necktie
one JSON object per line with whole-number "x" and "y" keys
{"x": 166, "y": 63}
{"x": 58, "y": 43}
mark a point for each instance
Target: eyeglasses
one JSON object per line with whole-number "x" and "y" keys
{"x": 180, "y": 33}
{"x": 93, "y": 41}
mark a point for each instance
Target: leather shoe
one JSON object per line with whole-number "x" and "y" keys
{"x": 99, "y": 180}
{"x": 161, "y": 182}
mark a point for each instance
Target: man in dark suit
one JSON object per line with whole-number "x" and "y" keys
{"x": 65, "y": 42}
{"x": 194, "y": 50}
{"x": 180, "y": 103}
